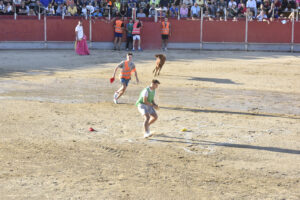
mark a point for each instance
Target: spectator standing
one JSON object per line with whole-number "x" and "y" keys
{"x": 242, "y": 10}
{"x": 69, "y": 2}
{"x": 262, "y": 16}
{"x": 119, "y": 27}
{"x": 273, "y": 12}
{"x": 17, "y": 3}
{"x": 84, "y": 10}
{"x": 59, "y": 2}
{"x": 23, "y": 9}
{"x": 118, "y": 5}
{"x": 72, "y": 10}
{"x": 188, "y": 3}
{"x": 97, "y": 13}
{"x": 195, "y": 10}
{"x": 164, "y": 3}
{"x": 152, "y": 11}
{"x": 9, "y": 9}
{"x": 129, "y": 28}
{"x": 184, "y": 11}
{"x": 155, "y": 2}
{"x": 50, "y": 10}
{"x": 165, "y": 33}
{"x": 200, "y": 3}
{"x": 173, "y": 12}
{"x": 31, "y": 12}
{"x": 136, "y": 34}
{"x": 90, "y": 8}
{"x": 231, "y": 3}
{"x": 123, "y": 11}
{"x": 39, "y": 8}
{"x": 61, "y": 10}
{"x": 251, "y": 4}
{"x": 141, "y": 14}
{"x": 233, "y": 11}
{"x": 2, "y": 8}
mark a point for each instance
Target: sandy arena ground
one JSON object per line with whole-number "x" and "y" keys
{"x": 242, "y": 110}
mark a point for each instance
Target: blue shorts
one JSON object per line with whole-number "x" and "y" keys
{"x": 118, "y": 34}
{"x": 125, "y": 81}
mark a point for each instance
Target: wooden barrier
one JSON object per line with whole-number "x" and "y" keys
{"x": 183, "y": 31}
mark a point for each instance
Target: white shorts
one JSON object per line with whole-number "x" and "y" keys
{"x": 145, "y": 109}
{"x": 136, "y": 37}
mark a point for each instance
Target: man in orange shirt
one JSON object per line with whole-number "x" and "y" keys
{"x": 165, "y": 33}
{"x": 119, "y": 27}
{"x": 127, "y": 67}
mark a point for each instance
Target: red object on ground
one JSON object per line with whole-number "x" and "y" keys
{"x": 112, "y": 80}
{"x": 91, "y": 129}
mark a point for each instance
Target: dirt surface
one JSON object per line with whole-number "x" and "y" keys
{"x": 241, "y": 110}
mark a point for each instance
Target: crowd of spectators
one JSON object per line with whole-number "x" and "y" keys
{"x": 191, "y": 9}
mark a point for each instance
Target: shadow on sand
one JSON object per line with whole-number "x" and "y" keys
{"x": 229, "y": 112}
{"x": 214, "y": 80}
{"x": 170, "y": 139}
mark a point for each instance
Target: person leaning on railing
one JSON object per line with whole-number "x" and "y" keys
{"x": 2, "y": 8}
{"x": 9, "y": 10}
{"x": 184, "y": 11}
{"x": 173, "y": 11}
{"x": 23, "y": 9}
{"x": 72, "y": 10}
{"x": 195, "y": 11}
{"x": 152, "y": 11}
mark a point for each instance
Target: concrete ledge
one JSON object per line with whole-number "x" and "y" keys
{"x": 22, "y": 45}
{"x": 269, "y": 47}
{"x": 184, "y": 45}
{"x": 60, "y": 45}
{"x": 296, "y": 47}
{"x": 223, "y": 46}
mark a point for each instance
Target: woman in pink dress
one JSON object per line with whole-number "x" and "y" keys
{"x": 81, "y": 44}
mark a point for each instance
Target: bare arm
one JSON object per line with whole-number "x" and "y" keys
{"x": 145, "y": 101}
{"x": 115, "y": 71}
{"x": 136, "y": 77}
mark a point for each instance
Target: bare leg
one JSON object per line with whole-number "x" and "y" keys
{"x": 146, "y": 122}
{"x": 133, "y": 44}
{"x": 166, "y": 43}
{"x": 121, "y": 91}
{"x": 153, "y": 119}
{"x": 115, "y": 42}
{"x": 139, "y": 43}
{"x": 119, "y": 44}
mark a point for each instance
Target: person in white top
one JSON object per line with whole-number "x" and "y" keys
{"x": 81, "y": 44}
{"x": 252, "y": 5}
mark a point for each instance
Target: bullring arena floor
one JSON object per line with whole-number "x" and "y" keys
{"x": 241, "y": 109}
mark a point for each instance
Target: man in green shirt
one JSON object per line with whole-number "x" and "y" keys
{"x": 146, "y": 106}
{"x": 129, "y": 28}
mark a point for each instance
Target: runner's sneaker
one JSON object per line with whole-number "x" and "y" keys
{"x": 115, "y": 98}
{"x": 115, "y": 101}
{"x": 115, "y": 95}
{"x": 147, "y": 134}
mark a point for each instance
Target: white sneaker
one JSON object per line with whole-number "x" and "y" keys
{"x": 115, "y": 95}
{"x": 115, "y": 101}
{"x": 147, "y": 134}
